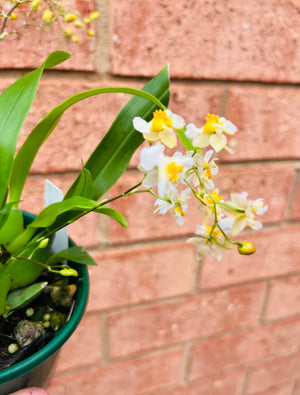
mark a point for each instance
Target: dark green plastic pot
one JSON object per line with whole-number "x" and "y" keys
{"x": 34, "y": 370}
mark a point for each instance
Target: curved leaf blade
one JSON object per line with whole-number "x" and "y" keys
{"x": 115, "y": 214}
{"x": 73, "y": 254}
{"x": 15, "y": 103}
{"x": 42, "y": 131}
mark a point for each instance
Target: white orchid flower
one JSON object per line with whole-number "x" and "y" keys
{"x": 212, "y": 133}
{"x": 177, "y": 205}
{"x": 163, "y": 171}
{"x": 205, "y": 168}
{"x": 211, "y": 241}
{"x": 162, "y": 127}
{"x": 242, "y": 212}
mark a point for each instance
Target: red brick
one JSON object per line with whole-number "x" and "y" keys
{"x": 216, "y": 41}
{"x": 270, "y": 373}
{"x": 84, "y": 232}
{"x": 295, "y": 211}
{"x": 136, "y": 376}
{"x": 277, "y": 253}
{"x": 297, "y": 388}
{"x": 283, "y": 298}
{"x": 259, "y": 182}
{"x": 84, "y": 346}
{"x": 281, "y": 389}
{"x": 193, "y": 317}
{"x": 30, "y": 49}
{"x": 222, "y": 353}
{"x": 264, "y": 117}
{"x": 229, "y": 383}
{"x": 137, "y": 275}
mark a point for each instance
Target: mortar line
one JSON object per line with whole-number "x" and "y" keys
{"x": 186, "y": 363}
{"x": 292, "y": 195}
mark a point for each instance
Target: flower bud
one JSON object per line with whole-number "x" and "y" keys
{"x": 70, "y": 18}
{"x": 69, "y": 272}
{"x": 13, "y": 16}
{"x": 48, "y": 15}
{"x": 246, "y": 248}
{"x": 44, "y": 243}
{"x": 35, "y": 4}
{"x": 68, "y": 32}
{"x": 91, "y": 32}
{"x": 75, "y": 39}
{"x": 78, "y": 23}
{"x": 94, "y": 15}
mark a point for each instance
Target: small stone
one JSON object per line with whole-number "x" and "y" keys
{"x": 27, "y": 331}
{"x": 13, "y": 347}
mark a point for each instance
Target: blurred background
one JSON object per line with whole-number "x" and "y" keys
{"x": 159, "y": 322}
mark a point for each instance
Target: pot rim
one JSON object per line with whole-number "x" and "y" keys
{"x": 61, "y": 337}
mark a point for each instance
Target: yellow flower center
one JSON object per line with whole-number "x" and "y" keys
{"x": 215, "y": 196}
{"x": 214, "y": 233}
{"x": 179, "y": 210}
{"x": 173, "y": 169}
{"x": 208, "y": 172}
{"x": 160, "y": 119}
{"x": 211, "y": 121}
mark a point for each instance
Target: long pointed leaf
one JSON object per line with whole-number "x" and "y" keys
{"x": 15, "y": 103}
{"x": 74, "y": 254}
{"x": 42, "y": 131}
{"x": 4, "y": 287}
{"x": 111, "y": 157}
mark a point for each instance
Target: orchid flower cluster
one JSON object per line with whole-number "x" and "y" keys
{"x": 18, "y": 14}
{"x": 177, "y": 177}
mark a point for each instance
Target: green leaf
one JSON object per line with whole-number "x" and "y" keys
{"x": 42, "y": 131}
{"x": 23, "y": 296}
{"x": 113, "y": 214}
{"x": 26, "y": 267}
{"x": 15, "y": 103}
{"x": 111, "y": 157}
{"x": 48, "y": 216}
{"x": 12, "y": 227}
{"x": 74, "y": 254}
{"x": 4, "y": 287}
{"x": 84, "y": 187}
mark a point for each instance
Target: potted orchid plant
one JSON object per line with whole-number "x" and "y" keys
{"x": 45, "y": 289}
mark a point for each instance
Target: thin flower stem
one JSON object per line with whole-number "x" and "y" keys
{"x": 6, "y": 17}
{"x": 46, "y": 234}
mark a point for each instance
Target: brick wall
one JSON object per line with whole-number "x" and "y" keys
{"x": 158, "y": 322}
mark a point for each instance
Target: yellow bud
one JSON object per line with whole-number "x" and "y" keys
{"x": 13, "y": 16}
{"x": 48, "y": 15}
{"x": 87, "y": 20}
{"x": 70, "y": 18}
{"x": 246, "y": 248}
{"x": 35, "y": 4}
{"x": 44, "y": 243}
{"x": 78, "y": 23}
{"x": 68, "y": 272}
{"x": 94, "y": 15}
{"x": 76, "y": 39}
{"x": 68, "y": 32}
{"x": 91, "y": 32}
